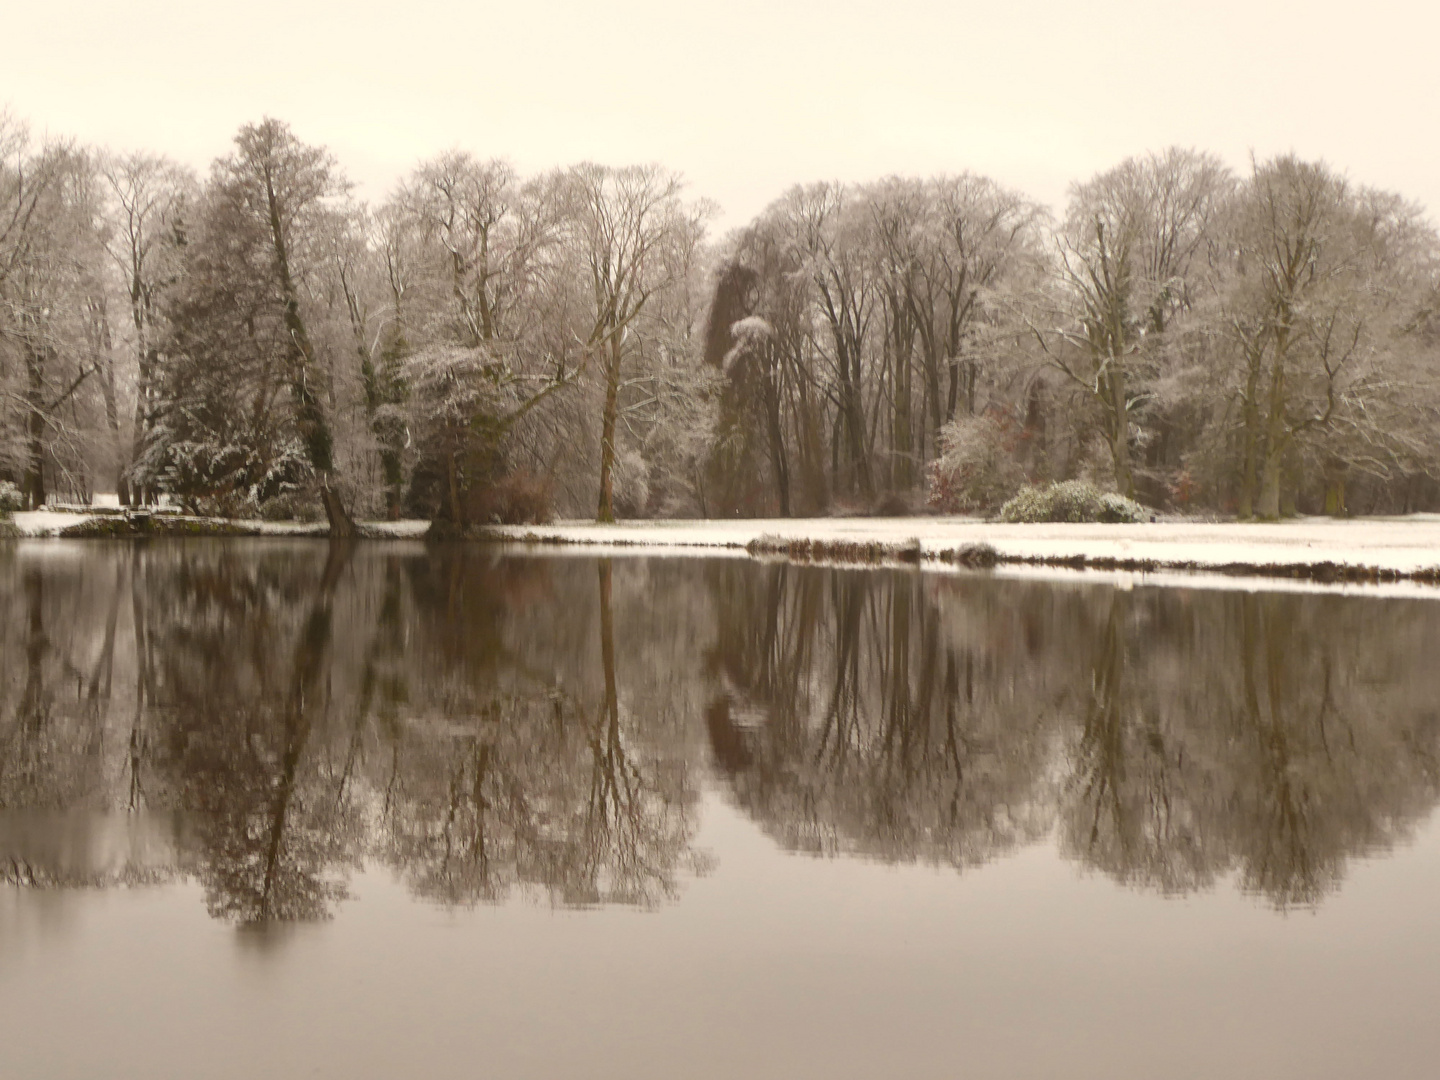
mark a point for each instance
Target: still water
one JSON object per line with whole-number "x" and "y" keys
{"x": 277, "y": 809}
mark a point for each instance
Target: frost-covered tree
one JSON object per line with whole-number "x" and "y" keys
{"x": 277, "y": 183}
{"x": 621, "y": 228}
{"x": 470, "y": 262}
{"x": 248, "y": 395}
{"x": 1130, "y": 243}
{"x": 53, "y": 335}
{"x": 889, "y": 314}
{"x": 1328, "y": 285}
{"x": 149, "y": 197}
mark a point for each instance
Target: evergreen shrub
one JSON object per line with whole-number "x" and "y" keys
{"x": 1071, "y": 500}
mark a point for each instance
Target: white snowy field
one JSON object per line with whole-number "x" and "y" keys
{"x": 1401, "y": 544}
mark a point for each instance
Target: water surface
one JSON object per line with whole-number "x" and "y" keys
{"x": 277, "y": 808}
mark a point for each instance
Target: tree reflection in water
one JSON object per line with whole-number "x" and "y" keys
{"x": 465, "y": 721}
{"x": 271, "y": 716}
{"x": 850, "y": 724}
{"x": 1169, "y": 737}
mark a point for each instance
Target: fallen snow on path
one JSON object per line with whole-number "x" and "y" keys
{"x": 1402, "y": 544}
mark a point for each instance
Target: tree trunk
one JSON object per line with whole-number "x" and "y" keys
{"x": 32, "y": 483}
{"x": 1269, "y": 506}
{"x": 605, "y": 513}
{"x": 1275, "y": 438}
{"x": 378, "y": 391}
{"x": 452, "y": 487}
{"x": 810, "y": 444}
{"x": 105, "y": 365}
{"x": 903, "y": 475}
{"x": 390, "y": 468}
{"x": 144, "y": 376}
{"x": 1120, "y": 431}
{"x": 341, "y": 527}
{"x": 859, "y": 465}
{"x": 1124, "y": 477}
{"x": 309, "y": 410}
{"x": 1250, "y": 454}
{"x": 1335, "y": 491}
{"x": 932, "y": 399}
{"x": 775, "y": 431}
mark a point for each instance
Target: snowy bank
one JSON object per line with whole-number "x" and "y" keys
{"x": 56, "y": 522}
{"x": 1319, "y": 548}
{"x": 1400, "y": 549}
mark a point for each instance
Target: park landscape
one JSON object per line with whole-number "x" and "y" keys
{"x": 469, "y": 613}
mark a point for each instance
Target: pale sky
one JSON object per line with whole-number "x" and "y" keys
{"x": 747, "y": 98}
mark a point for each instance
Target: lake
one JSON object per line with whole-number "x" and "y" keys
{"x": 276, "y": 808}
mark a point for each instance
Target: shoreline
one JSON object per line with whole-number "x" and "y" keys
{"x": 1368, "y": 551}
{"x": 110, "y": 524}
{"x": 1320, "y": 550}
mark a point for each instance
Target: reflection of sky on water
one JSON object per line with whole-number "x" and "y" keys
{"x": 774, "y": 966}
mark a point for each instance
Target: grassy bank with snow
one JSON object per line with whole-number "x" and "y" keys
{"x": 1323, "y": 549}
{"x": 1402, "y": 549}
{"x": 111, "y": 524}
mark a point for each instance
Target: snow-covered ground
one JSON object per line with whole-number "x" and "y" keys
{"x": 1401, "y": 544}
{"x": 46, "y": 522}
{"x": 50, "y": 522}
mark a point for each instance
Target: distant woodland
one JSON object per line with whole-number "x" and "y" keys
{"x": 487, "y": 346}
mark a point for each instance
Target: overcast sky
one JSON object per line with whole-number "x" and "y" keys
{"x": 746, "y": 98}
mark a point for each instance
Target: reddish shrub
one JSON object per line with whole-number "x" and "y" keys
{"x": 521, "y": 498}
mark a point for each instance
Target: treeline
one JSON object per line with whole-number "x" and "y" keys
{"x": 1248, "y": 345}
{"x": 260, "y": 343}
{"x": 486, "y": 346}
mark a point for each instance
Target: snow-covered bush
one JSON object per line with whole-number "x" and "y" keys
{"x": 10, "y": 498}
{"x": 1071, "y": 500}
{"x": 977, "y": 468}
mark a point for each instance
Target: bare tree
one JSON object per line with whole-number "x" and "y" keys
{"x": 1125, "y": 255}
{"x": 620, "y": 222}
{"x": 147, "y": 220}
{"x": 1327, "y": 276}
{"x": 47, "y": 238}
